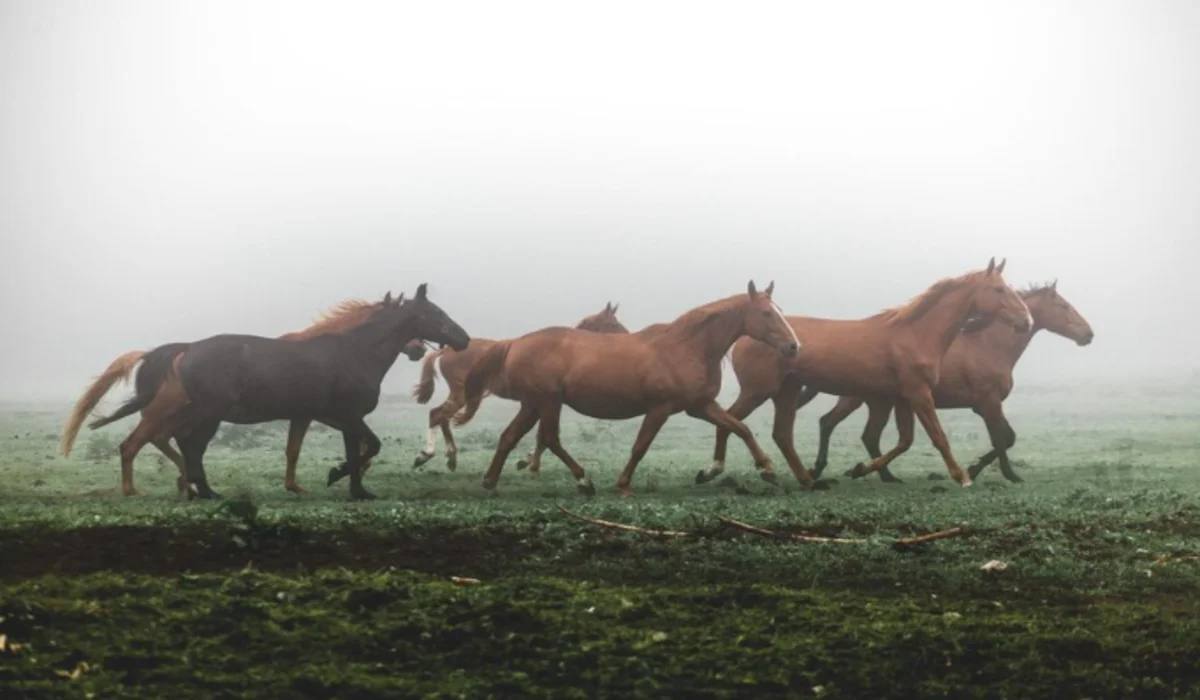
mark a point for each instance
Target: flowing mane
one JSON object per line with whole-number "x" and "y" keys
{"x": 1034, "y": 290}
{"x": 922, "y": 303}
{"x": 692, "y": 321}
{"x": 347, "y": 314}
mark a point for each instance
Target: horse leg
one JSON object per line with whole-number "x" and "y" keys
{"x": 164, "y": 446}
{"x": 713, "y": 413}
{"x": 1003, "y": 438}
{"x": 904, "y": 426}
{"x": 878, "y": 413}
{"x": 651, "y": 424}
{"x": 786, "y": 406}
{"x": 296, "y": 432}
{"x": 524, "y": 421}
{"x": 830, "y": 421}
{"x": 193, "y": 445}
{"x": 438, "y": 416}
{"x": 926, "y": 411}
{"x": 361, "y": 447}
{"x": 739, "y": 409}
{"x": 548, "y": 436}
{"x": 534, "y": 459}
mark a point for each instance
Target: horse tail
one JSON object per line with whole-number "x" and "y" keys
{"x": 423, "y": 390}
{"x": 118, "y": 371}
{"x": 155, "y": 370}
{"x": 482, "y": 372}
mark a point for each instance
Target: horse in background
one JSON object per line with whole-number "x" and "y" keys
{"x": 976, "y": 373}
{"x": 620, "y": 376}
{"x": 454, "y": 366}
{"x": 894, "y": 354}
{"x": 339, "y": 319}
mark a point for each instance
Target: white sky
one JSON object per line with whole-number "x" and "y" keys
{"x": 173, "y": 170}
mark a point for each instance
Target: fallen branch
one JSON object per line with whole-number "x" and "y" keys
{"x": 627, "y": 528}
{"x": 1167, "y": 558}
{"x": 940, "y": 535}
{"x": 786, "y": 535}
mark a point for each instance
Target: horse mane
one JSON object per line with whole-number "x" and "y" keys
{"x": 919, "y": 305}
{"x": 336, "y": 318}
{"x": 1034, "y": 290}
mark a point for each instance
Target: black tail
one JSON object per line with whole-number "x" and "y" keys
{"x": 151, "y": 374}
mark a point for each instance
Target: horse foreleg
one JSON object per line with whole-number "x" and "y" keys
{"x": 830, "y": 421}
{"x": 296, "y": 432}
{"x": 534, "y": 459}
{"x": 548, "y": 436}
{"x": 713, "y": 413}
{"x": 164, "y": 446}
{"x": 524, "y": 421}
{"x": 193, "y": 445}
{"x": 784, "y": 433}
{"x": 361, "y": 445}
{"x": 739, "y": 409}
{"x": 439, "y": 416}
{"x": 905, "y": 427}
{"x": 878, "y": 413}
{"x": 1003, "y": 438}
{"x": 926, "y": 411}
{"x": 651, "y": 424}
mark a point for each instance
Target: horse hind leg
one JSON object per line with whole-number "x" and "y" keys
{"x": 926, "y": 412}
{"x": 829, "y": 422}
{"x": 296, "y": 432}
{"x": 714, "y": 414}
{"x": 521, "y": 424}
{"x": 164, "y": 446}
{"x": 1003, "y": 437}
{"x": 534, "y": 459}
{"x": 906, "y": 429}
{"x": 651, "y": 424}
{"x": 193, "y": 446}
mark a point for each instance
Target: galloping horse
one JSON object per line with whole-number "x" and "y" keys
{"x": 976, "y": 373}
{"x": 894, "y": 354}
{"x": 246, "y": 379}
{"x": 349, "y": 314}
{"x": 614, "y": 377}
{"x": 455, "y": 365}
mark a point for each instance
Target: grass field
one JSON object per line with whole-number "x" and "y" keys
{"x": 267, "y": 594}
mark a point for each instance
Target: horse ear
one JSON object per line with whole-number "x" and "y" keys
{"x": 608, "y": 307}
{"x": 770, "y": 288}
{"x": 752, "y": 290}
{"x": 1000, "y": 267}
{"x": 400, "y": 299}
{"x": 421, "y": 291}
{"x": 991, "y": 266}
{"x": 387, "y": 298}
{"x": 615, "y": 307}
{"x": 1054, "y": 286}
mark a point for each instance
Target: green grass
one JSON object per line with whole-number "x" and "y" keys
{"x": 272, "y": 595}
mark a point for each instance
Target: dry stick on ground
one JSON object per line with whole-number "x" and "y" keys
{"x": 787, "y": 535}
{"x": 1167, "y": 558}
{"x": 940, "y": 535}
{"x": 628, "y": 528}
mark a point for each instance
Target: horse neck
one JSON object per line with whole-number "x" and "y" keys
{"x": 937, "y": 328}
{"x": 713, "y": 336}
{"x": 381, "y": 340}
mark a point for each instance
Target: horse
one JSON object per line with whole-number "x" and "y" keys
{"x": 620, "y": 376}
{"x": 976, "y": 373}
{"x": 893, "y": 354}
{"x": 456, "y": 364}
{"x": 333, "y": 379}
{"x": 346, "y": 315}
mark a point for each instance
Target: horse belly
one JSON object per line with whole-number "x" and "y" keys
{"x": 610, "y": 398}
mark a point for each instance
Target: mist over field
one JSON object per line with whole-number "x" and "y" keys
{"x": 175, "y": 170}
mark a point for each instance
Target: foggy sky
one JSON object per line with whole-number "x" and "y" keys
{"x": 173, "y": 170}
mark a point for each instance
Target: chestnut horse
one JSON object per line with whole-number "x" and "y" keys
{"x": 619, "y": 376}
{"x": 332, "y": 378}
{"x": 976, "y": 373}
{"x": 456, "y": 363}
{"x": 349, "y": 314}
{"x": 893, "y": 354}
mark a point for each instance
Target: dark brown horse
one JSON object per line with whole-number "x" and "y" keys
{"x": 893, "y": 354}
{"x": 976, "y": 373}
{"x": 344, "y": 316}
{"x": 333, "y": 379}
{"x": 619, "y": 376}
{"x": 455, "y": 364}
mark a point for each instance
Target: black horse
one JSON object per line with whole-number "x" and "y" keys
{"x": 331, "y": 379}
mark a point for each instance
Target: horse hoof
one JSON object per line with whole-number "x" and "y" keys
{"x": 335, "y": 475}
{"x": 587, "y": 488}
{"x": 452, "y": 461}
{"x": 891, "y": 480}
{"x": 1015, "y": 479}
{"x": 859, "y": 471}
{"x": 769, "y": 477}
{"x": 521, "y": 464}
{"x": 422, "y": 459}
{"x": 818, "y": 485}
{"x": 702, "y": 477}
{"x": 295, "y": 488}
{"x": 363, "y": 495}
{"x": 626, "y": 492}
{"x": 489, "y": 485}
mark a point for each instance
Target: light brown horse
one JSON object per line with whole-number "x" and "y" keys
{"x": 615, "y": 377}
{"x": 893, "y": 354}
{"x": 341, "y": 318}
{"x": 976, "y": 373}
{"x": 455, "y": 365}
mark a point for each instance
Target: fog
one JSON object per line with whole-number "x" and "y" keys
{"x": 173, "y": 170}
